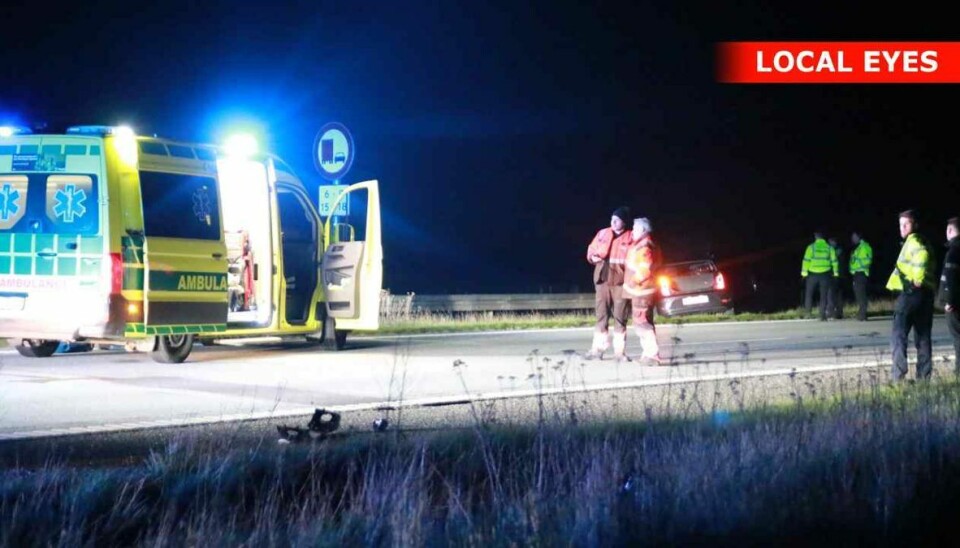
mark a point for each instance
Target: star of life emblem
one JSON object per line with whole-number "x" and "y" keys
{"x": 69, "y": 204}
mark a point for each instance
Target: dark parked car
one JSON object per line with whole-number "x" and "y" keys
{"x": 692, "y": 287}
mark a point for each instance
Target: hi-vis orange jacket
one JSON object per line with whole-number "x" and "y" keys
{"x": 643, "y": 258}
{"x": 613, "y": 250}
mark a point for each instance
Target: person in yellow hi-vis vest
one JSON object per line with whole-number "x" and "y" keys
{"x": 914, "y": 281}
{"x": 818, "y": 271}
{"x": 861, "y": 259}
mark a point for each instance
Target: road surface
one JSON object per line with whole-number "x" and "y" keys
{"x": 104, "y": 391}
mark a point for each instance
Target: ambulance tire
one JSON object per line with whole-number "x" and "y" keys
{"x": 172, "y": 348}
{"x": 37, "y": 348}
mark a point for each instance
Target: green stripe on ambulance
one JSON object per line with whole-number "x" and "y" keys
{"x": 187, "y": 281}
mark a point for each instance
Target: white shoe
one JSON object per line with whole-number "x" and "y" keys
{"x": 593, "y": 355}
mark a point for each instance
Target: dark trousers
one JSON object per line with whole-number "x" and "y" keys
{"x": 835, "y": 303}
{"x": 953, "y": 325}
{"x": 820, "y": 282}
{"x": 912, "y": 311}
{"x": 860, "y": 294}
{"x": 609, "y": 302}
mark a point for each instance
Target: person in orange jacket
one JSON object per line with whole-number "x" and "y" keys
{"x": 607, "y": 253}
{"x": 643, "y": 258}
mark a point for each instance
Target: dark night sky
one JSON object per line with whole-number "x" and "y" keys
{"x": 504, "y": 134}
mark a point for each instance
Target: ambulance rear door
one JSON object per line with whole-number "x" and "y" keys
{"x": 184, "y": 249}
{"x": 54, "y": 280}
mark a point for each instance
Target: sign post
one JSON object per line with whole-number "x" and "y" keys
{"x": 333, "y": 153}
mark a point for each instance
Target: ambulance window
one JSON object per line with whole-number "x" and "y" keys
{"x": 180, "y": 151}
{"x": 13, "y": 200}
{"x": 353, "y": 227}
{"x": 180, "y": 206}
{"x": 148, "y": 147}
{"x": 71, "y": 204}
{"x": 49, "y": 204}
{"x": 205, "y": 154}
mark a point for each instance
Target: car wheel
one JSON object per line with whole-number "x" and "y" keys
{"x": 172, "y": 348}
{"x": 37, "y": 348}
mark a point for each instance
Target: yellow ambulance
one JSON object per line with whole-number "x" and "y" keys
{"x": 108, "y": 237}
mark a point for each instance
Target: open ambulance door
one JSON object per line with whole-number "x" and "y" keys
{"x": 352, "y": 266}
{"x": 185, "y": 261}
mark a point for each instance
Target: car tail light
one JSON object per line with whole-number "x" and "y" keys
{"x": 116, "y": 273}
{"x": 664, "y": 283}
{"x": 719, "y": 283}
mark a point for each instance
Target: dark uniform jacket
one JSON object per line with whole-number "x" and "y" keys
{"x": 949, "y": 292}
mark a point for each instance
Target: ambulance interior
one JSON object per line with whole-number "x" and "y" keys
{"x": 244, "y": 194}
{"x": 298, "y": 232}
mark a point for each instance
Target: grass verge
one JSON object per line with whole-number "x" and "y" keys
{"x": 873, "y": 465}
{"x": 496, "y": 321}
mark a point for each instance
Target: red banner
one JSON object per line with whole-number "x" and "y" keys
{"x": 838, "y": 62}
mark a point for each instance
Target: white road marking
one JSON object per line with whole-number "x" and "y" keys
{"x": 419, "y": 402}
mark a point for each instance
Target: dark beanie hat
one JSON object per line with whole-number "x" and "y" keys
{"x": 623, "y": 212}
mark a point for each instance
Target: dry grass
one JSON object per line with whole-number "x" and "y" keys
{"x": 878, "y": 465}
{"x": 408, "y": 322}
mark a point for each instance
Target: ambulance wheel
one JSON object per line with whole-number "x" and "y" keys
{"x": 37, "y": 348}
{"x": 172, "y": 348}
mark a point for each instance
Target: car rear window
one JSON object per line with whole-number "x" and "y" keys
{"x": 689, "y": 269}
{"x": 49, "y": 203}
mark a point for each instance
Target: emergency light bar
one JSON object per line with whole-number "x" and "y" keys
{"x": 241, "y": 145}
{"x": 9, "y": 131}
{"x": 100, "y": 130}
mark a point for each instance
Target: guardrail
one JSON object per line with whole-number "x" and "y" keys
{"x": 400, "y": 306}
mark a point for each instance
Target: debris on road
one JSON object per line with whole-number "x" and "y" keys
{"x": 320, "y": 426}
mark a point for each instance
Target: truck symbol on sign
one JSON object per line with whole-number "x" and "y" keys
{"x": 326, "y": 151}
{"x": 339, "y": 157}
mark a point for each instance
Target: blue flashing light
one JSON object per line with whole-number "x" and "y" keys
{"x": 120, "y": 131}
{"x": 242, "y": 145}
{"x": 10, "y": 131}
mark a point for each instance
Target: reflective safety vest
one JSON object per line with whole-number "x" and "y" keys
{"x": 819, "y": 258}
{"x": 612, "y": 248}
{"x": 643, "y": 258}
{"x": 862, "y": 258}
{"x": 915, "y": 263}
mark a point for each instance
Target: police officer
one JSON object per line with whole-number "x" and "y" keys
{"x": 913, "y": 280}
{"x": 949, "y": 294}
{"x": 819, "y": 269}
{"x": 861, "y": 259}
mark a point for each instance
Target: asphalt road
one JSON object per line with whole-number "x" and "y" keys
{"x": 104, "y": 391}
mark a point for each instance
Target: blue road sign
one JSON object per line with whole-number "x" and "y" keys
{"x": 333, "y": 151}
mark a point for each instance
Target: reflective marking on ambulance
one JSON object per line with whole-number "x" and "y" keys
{"x": 48, "y": 255}
{"x": 187, "y": 281}
{"x": 132, "y": 255}
{"x": 135, "y": 329}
